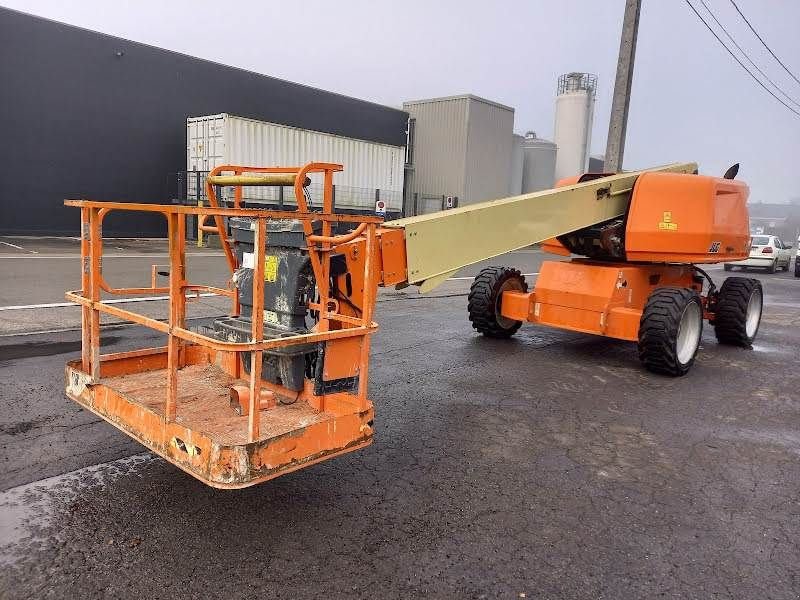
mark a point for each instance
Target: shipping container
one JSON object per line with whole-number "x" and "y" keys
{"x": 371, "y": 170}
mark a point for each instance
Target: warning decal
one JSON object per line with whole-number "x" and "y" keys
{"x": 666, "y": 223}
{"x": 271, "y": 268}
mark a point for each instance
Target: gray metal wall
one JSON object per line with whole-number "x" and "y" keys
{"x": 491, "y": 129}
{"x": 440, "y": 142}
{"x": 78, "y": 120}
{"x": 462, "y": 148}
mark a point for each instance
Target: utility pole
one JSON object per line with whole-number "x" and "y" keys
{"x": 615, "y": 145}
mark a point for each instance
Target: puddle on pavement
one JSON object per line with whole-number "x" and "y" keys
{"x": 771, "y": 349}
{"x": 25, "y": 510}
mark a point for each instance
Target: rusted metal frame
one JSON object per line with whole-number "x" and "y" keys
{"x": 95, "y": 262}
{"x": 133, "y": 353}
{"x": 257, "y": 331}
{"x": 326, "y": 242}
{"x": 230, "y": 257}
{"x": 339, "y": 239}
{"x": 306, "y": 338}
{"x": 327, "y": 200}
{"x": 176, "y": 231}
{"x": 371, "y": 275}
{"x": 154, "y": 274}
{"x": 132, "y": 291}
{"x": 319, "y": 265}
{"x": 120, "y": 313}
{"x": 312, "y": 168}
{"x": 218, "y": 345}
{"x": 226, "y": 212}
{"x": 104, "y": 285}
{"x": 194, "y": 287}
{"x": 86, "y": 310}
{"x": 340, "y": 318}
{"x": 237, "y": 195}
{"x": 199, "y": 287}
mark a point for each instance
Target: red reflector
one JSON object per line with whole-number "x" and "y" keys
{"x": 767, "y": 250}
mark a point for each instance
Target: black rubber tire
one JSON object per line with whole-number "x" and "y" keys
{"x": 796, "y": 267}
{"x": 773, "y": 267}
{"x": 484, "y": 301}
{"x": 728, "y": 267}
{"x": 659, "y": 328}
{"x": 730, "y": 318}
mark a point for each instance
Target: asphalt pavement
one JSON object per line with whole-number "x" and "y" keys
{"x": 550, "y": 465}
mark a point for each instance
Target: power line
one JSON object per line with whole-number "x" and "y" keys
{"x": 736, "y": 58}
{"x": 750, "y": 60}
{"x": 760, "y": 39}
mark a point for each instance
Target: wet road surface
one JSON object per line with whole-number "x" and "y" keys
{"x": 550, "y": 465}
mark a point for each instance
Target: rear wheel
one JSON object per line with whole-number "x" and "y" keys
{"x": 728, "y": 267}
{"x": 670, "y": 330}
{"x": 485, "y": 299}
{"x": 738, "y": 311}
{"x": 797, "y": 267}
{"x": 773, "y": 267}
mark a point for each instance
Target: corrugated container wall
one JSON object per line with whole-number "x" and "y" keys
{"x": 221, "y": 139}
{"x": 462, "y": 148}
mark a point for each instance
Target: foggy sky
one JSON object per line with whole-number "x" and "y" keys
{"x": 690, "y": 100}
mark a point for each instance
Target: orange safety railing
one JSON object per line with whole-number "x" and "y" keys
{"x": 331, "y": 325}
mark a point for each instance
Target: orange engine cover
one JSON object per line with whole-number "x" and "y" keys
{"x": 687, "y": 219}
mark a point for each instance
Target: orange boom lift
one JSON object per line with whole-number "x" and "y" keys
{"x": 281, "y": 382}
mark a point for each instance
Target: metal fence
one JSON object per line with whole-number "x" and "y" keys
{"x": 423, "y": 204}
{"x": 188, "y": 187}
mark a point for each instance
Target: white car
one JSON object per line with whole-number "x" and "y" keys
{"x": 766, "y": 252}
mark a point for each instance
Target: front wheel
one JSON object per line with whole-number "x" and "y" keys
{"x": 485, "y": 301}
{"x": 737, "y": 315}
{"x": 670, "y": 330}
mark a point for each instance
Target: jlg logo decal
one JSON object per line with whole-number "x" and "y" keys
{"x": 666, "y": 222}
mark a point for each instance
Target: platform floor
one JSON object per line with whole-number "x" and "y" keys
{"x": 204, "y": 403}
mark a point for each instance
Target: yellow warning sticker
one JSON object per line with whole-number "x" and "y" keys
{"x": 666, "y": 222}
{"x": 271, "y": 268}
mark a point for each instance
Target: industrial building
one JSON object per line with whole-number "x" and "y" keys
{"x": 121, "y": 120}
{"x": 87, "y": 115}
{"x": 464, "y": 147}
{"x": 459, "y": 147}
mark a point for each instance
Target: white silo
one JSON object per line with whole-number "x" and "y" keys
{"x": 539, "y": 163}
{"x": 517, "y": 158}
{"x": 573, "y": 128}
